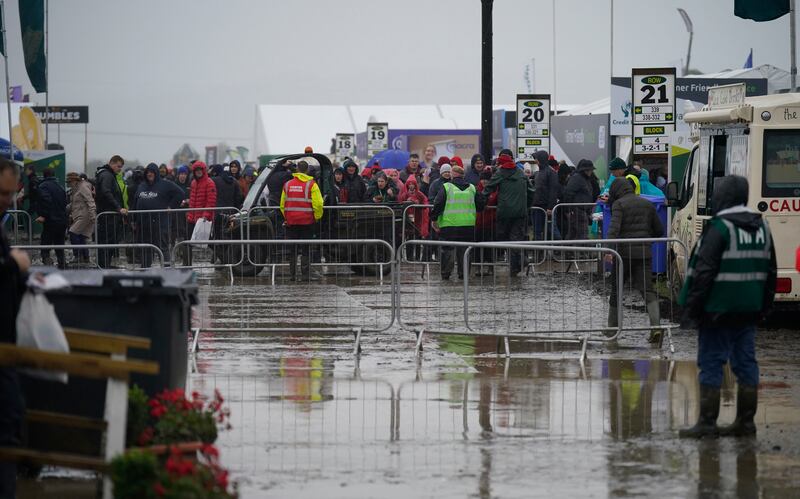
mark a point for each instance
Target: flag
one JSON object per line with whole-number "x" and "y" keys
{"x": 31, "y": 22}
{"x": 748, "y": 64}
{"x": 760, "y": 10}
{"x": 15, "y": 93}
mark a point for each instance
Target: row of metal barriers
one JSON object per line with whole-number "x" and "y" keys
{"x": 393, "y": 223}
{"x": 360, "y": 285}
{"x": 553, "y": 301}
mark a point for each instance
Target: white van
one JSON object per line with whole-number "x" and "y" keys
{"x": 757, "y": 138}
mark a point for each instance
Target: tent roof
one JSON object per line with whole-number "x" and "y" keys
{"x": 289, "y": 128}
{"x": 777, "y": 79}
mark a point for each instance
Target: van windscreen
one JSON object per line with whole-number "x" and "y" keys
{"x": 781, "y": 163}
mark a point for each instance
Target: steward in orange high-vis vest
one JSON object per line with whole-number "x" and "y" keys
{"x": 301, "y": 206}
{"x": 301, "y": 200}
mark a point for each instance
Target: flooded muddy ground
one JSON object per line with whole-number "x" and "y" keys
{"x": 311, "y": 419}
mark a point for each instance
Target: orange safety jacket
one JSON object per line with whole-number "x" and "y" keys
{"x": 297, "y": 207}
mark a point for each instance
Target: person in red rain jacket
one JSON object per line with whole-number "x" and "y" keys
{"x": 203, "y": 194}
{"x": 413, "y": 195}
{"x": 485, "y": 222}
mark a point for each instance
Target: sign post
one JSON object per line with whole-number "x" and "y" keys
{"x": 653, "y": 113}
{"x": 67, "y": 115}
{"x": 345, "y": 146}
{"x": 533, "y": 124}
{"x": 63, "y": 115}
{"x": 377, "y": 138}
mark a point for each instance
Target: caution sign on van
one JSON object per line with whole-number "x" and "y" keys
{"x": 653, "y": 105}
{"x": 533, "y": 124}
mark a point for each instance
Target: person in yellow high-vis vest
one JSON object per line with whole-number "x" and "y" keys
{"x": 454, "y": 213}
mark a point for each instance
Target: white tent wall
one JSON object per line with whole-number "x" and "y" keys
{"x": 286, "y": 128}
{"x": 289, "y": 129}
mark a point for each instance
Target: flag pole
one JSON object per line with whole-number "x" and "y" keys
{"x": 46, "y": 74}
{"x": 792, "y": 48}
{"x": 8, "y": 88}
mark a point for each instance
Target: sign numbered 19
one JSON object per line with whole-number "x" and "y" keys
{"x": 377, "y": 138}
{"x": 533, "y": 124}
{"x": 345, "y": 146}
{"x": 653, "y": 109}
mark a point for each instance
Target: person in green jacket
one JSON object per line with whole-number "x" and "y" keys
{"x": 729, "y": 288}
{"x": 514, "y": 199}
{"x": 455, "y": 213}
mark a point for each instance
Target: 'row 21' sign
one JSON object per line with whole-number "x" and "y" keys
{"x": 653, "y": 109}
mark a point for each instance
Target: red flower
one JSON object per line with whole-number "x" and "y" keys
{"x": 222, "y": 479}
{"x": 159, "y": 489}
{"x": 173, "y": 464}
{"x": 146, "y": 436}
{"x": 158, "y": 411}
{"x": 186, "y": 468}
{"x": 209, "y": 451}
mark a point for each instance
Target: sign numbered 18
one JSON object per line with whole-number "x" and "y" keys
{"x": 377, "y": 138}
{"x": 533, "y": 124}
{"x": 345, "y": 146}
{"x": 654, "y": 112}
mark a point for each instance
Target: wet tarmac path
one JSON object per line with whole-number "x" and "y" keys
{"x": 311, "y": 419}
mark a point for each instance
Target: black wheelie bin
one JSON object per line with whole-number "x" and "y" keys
{"x": 155, "y": 304}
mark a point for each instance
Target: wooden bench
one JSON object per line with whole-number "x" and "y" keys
{"x": 92, "y": 355}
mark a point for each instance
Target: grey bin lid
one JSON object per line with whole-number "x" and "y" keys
{"x": 162, "y": 282}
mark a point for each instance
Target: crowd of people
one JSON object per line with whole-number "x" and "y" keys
{"x": 502, "y": 191}
{"x": 148, "y": 190}
{"x": 487, "y": 201}
{"x": 507, "y": 188}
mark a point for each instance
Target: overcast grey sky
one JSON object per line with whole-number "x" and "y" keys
{"x": 157, "y": 73}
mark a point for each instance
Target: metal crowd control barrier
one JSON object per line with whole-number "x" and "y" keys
{"x": 438, "y": 306}
{"x": 566, "y": 409}
{"x": 309, "y": 420}
{"x": 338, "y": 302}
{"x": 560, "y": 207}
{"x": 485, "y": 231}
{"x": 412, "y": 220}
{"x": 34, "y": 249}
{"x": 319, "y": 425}
{"x": 546, "y": 306}
{"x": 667, "y": 281}
{"x": 347, "y": 221}
{"x": 565, "y": 226}
{"x": 12, "y": 217}
{"x": 339, "y": 223}
{"x": 163, "y": 228}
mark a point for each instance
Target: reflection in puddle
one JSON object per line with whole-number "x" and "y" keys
{"x": 304, "y": 430}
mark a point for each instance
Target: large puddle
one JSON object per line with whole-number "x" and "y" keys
{"x": 311, "y": 419}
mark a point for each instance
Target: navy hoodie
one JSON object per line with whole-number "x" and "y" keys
{"x": 160, "y": 195}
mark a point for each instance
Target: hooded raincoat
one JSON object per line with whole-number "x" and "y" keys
{"x": 203, "y": 195}
{"x": 414, "y": 195}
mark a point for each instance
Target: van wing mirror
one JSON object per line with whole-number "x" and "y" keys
{"x": 672, "y": 194}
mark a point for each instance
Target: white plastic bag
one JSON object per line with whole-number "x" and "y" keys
{"x": 38, "y": 327}
{"x": 202, "y": 232}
